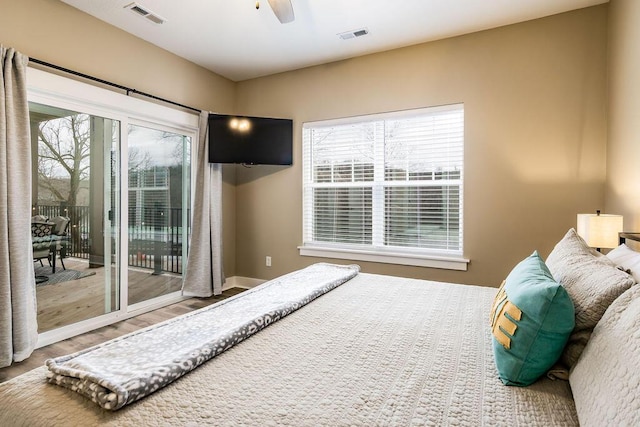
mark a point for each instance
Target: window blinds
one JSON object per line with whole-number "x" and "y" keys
{"x": 389, "y": 181}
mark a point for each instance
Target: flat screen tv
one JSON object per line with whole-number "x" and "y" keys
{"x": 250, "y": 140}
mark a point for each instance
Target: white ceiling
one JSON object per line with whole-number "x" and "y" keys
{"x": 233, "y": 39}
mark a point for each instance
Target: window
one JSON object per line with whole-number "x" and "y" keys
{"x": 386, "y": 188}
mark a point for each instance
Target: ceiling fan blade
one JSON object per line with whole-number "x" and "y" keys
{"x": 283, "y": 10}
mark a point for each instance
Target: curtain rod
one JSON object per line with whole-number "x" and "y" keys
{"x": 128, "y": 90}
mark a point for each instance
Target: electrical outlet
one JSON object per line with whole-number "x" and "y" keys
{"x": 268, "y": 261}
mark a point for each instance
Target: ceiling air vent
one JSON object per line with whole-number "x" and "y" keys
{"x": 145, "y": 13}
{"x": 353, "y": 34}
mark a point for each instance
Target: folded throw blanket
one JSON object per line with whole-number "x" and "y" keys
{"x": 128, "y": 368}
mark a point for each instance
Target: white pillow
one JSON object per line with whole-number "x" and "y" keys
{"x": 628, "y": 259}
{"x": 605, "y": 380}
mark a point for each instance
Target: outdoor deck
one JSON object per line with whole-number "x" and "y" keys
{"x": 64, "y": 303}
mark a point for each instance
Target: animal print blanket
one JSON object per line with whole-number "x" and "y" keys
{"x": 131, "y": 367}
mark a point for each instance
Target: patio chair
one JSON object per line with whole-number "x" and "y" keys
{"x": 41, "y": 240}
{"x": 60, "y": 236}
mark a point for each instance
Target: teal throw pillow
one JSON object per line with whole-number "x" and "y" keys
{"x": 531, "y": 320}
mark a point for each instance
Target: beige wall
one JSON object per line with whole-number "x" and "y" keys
{"x": 623, "y": 154}
{"x": 534, "y": 97}
{"x": 51, "y": 31}
{"x": 535, "y": 138}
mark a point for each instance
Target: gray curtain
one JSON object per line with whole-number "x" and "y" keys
{"x": 204, "y": 275}
{"x": 18, "y": 323}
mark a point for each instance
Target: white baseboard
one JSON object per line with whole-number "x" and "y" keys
{"x": 241, "y": 282}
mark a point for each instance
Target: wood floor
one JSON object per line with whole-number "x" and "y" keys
{"x": 72, "y": 301}
{"x": 106, "y": 333}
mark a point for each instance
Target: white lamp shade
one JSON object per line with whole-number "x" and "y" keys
{"x": 600, "y": 231}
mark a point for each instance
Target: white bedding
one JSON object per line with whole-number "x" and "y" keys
{"x": 378, "y": 350}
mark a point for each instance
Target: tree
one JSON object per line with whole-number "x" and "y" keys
{"x": 63, "y": 153}
{"x": 139, "y": 161}
{"x": 64, "y": 148}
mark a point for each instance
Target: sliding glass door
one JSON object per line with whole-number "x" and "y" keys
{"x": 158, "y": 210}
{"x": 111, "y": 204}
{"x": 74, "y": 214}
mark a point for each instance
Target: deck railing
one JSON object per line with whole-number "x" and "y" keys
{"x": 155, "y": 235}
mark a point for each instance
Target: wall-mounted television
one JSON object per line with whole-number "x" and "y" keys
{"x": 250, "y": 140}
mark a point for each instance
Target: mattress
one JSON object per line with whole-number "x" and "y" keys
{"x": 378, "y": 350}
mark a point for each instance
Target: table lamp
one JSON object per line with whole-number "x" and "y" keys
{"x": 600, "y": 230}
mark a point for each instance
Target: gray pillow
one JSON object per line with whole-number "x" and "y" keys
{"x": 592, "y": 281}
{"x": 605, "y": 380}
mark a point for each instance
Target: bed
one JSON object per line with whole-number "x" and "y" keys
{"x": 377, "y": 350}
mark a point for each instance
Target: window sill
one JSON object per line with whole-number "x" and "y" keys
{"x": 419, "y": 260}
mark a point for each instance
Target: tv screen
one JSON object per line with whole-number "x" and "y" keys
{"x": 250, "y": 140}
